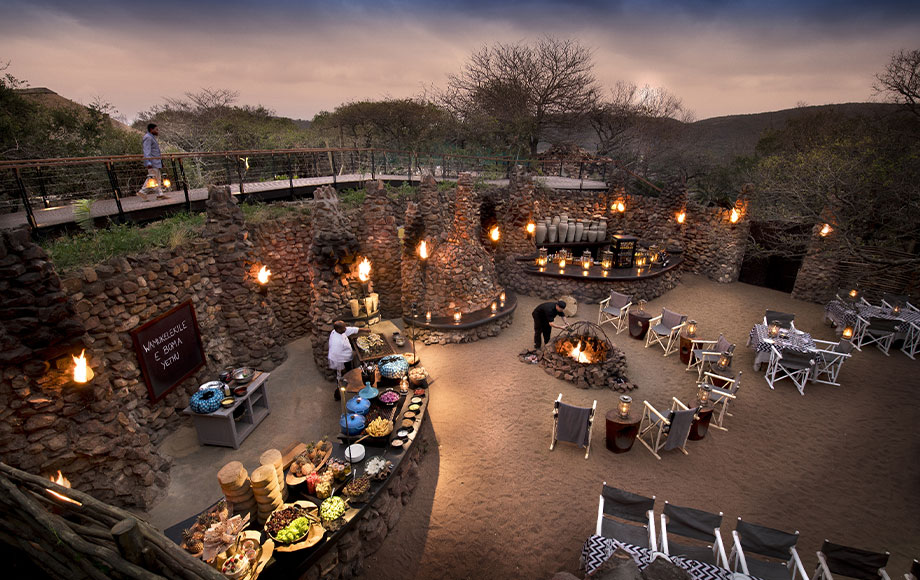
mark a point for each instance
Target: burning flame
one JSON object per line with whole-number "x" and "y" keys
{"x": 848, "y": 332}
{"x": 826, "y": 230}
{"x": 423, "y": 250}
{"x": 619, "y": 206}
{"x": 63, "y": 482}
{"x": 166, "y": 182}
{"x": 735, "y": 216}
{"x": 853, "y": 293}
{"x": 681, "y": 217}
{"x": 81, "y": 371}
{"x": 364, "y": 270}
{"x": 457, "y": 316}
{"x": 578, "y": 354}
{"x": 531, "y": 227}
{"x": 494, "y": 233}
{"x": 263, "y": 275}
{"x": 151, "y": 183}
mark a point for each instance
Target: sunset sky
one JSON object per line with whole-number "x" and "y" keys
{"x": 299, "y": 57}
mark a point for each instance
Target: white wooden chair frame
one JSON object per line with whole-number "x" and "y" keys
{"x": 798, "y": 376}
{"x": 619, "y": 322}
{"x": 673, "y": 335}
{"x": 906, "y": 304}
{"x": 862, "y": 337}
{"x": 651, "y": 523}
{"x": 718, "y": 547}
{"x": 828, "y": 363}
{"x": 910, "y": 576}
{"x": 823, "y": 571}
{"x": 698, "y": 362}
{"x": 767, "y": 324}
{"x": 911, "y": 346}
{"x": 719, "y": 397}
{"x": 556, "y": 422}
{"x": 737, "y": 557}
{"x": 656, "y": 429}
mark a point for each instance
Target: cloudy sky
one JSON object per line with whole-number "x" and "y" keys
{"x": 299, "y": 57}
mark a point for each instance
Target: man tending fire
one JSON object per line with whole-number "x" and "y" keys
{"x": 543, "y": 316}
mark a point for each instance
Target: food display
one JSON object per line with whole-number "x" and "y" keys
{"x": 339, "y": 468}
{"x": 193, "y": 537}
{"x": 416, "y": 399}
{"x": 397, "y": 442}
{"x": 371, "y": 343}
{"x": 243, "y": 375}
{"x": 418, "y": 375}
{"x": 310, "y": 461}
{"x": 419, "y": 392}
{"x": 411, "y": 358}
{"x": 357, "y": 488}
{"x": 407, "y": 423}
{"x": 409, "y": 415}
{"x": 332, "y": 509}
{"x": 393, "y": 367}
{"x": 388, "y": 397}
{"x": 378, "y": 468}
{"x": 414, "y": 407}
{"x": 236, "y": 566}
{"x": 379, "y": 427}
{"x": 290, "y": 524}
{"x": 324, "y": 485}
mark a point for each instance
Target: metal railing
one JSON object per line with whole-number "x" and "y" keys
{"x": 27, "y": 185}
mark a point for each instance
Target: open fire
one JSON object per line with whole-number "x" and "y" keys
{"x": 63, "y": 482}
{"x": 582, "y": 354}
{"x": 81, "y": 371}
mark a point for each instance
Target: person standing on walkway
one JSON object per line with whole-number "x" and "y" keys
{"x": 340, "y": 353}
{"x": 543, "y": 316}
{"x": 153, "y": 163}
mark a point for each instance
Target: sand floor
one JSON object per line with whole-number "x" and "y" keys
{"x": 839, "y": 463}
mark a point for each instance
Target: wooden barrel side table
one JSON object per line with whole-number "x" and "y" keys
{"x": 638, "y": 324}
{"x": 700, "y": 425}
{"x": 621, "y": 433}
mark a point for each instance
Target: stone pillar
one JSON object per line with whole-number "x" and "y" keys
{"x": 381, "y": 245}
{"x": 817, "y": 280}
{"x": 515, "y": 211}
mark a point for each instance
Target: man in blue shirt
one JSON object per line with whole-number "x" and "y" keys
{"x": 153, "y": 163}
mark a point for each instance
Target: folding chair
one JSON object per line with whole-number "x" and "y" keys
{"x": 891, "y": 300}
{"x": 697, "y": 525}
{"x": 789, "y": 364}
{"x": 850, "y": 562}
{"x": 829, "y": 360}
{"x": 724, "y": 390}
{"x": 666, "y": 433}
{"x": 618, "y": 513}
{"x": 914, "y": 573}
{"x": 911, "y": 344}
{"x": 706, "y": 353}
{"x": 664, "y": 329}
{"x": 573, "y": 424}
{"x": 782, "y": 319}
{"x": 779, "y": 546}
{"x": 615, "y": 309}
{"x": 879, "y": 331}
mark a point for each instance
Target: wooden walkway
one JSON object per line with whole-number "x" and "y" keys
{"x": 62, "y": 215}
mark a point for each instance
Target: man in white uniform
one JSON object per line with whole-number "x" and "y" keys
{"x": 340, "y": 353}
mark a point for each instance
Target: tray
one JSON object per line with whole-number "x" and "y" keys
{"x": 313, "y": 536}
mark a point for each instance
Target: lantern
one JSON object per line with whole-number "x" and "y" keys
{"x": 725, "y": 359}
{"x": 586, "y": 261}
{"x": 681, "y": 217}
{"x": 531, "y": 228}
{"x": 82, "y": 373}
{"x": 854, "y": 293}
{"x": 652, "y": 254}
{"x": 734, "y": 216}
{"x": 642, "y": 303}
{"x": 896, "y": 309}
{"x": 494, "y": 307}
{"x": 457, "y": 317}
{"x": 703, "y": 394}
{"x": 428, "y": 316}
{"x": 619, "y": 206}
{"x": 423, "y": 250}
{"x": 773, "y": 330}
{"x": 263, "y": 275}
{"x": 607, "y": 260}
{"x": 151, "y": 183}
{"x": 623, "y": 406}
{"x": 494, "y": 234}
{"x": 691, "y": 328}
{"x": 364, "y": 270}
{"x": 542, "y": 257}
{"x": 847, "y": 332}
{"x": 827, "y": 229}
{"x": 562, "y": 262}
{"x": 501, "y": 297}
{"x": 167, "y": 183}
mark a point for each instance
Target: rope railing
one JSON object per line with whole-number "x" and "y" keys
{"x": 33, "y": 185}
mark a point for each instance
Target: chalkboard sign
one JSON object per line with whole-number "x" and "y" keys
{"x": 169, "y": 349}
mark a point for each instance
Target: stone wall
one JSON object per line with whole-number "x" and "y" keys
{"x": 818, "y": 278}
{"x": 461, "y": 335}
{"x": 380, "y": 243}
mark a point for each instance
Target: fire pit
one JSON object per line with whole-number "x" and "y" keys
{"x": 584, "y": 355}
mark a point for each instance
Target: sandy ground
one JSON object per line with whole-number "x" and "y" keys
{"x": 493, "y": 502}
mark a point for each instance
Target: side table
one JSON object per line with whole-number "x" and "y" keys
{"x": 638, "y": 324}
{"x": 686, "y": 348}
{"x": 621, "y": 433}
{"x": 700, "y": 425}
{"x": 229, "y": 427}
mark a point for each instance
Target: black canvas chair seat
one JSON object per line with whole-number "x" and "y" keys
{"x": 782, "y": 319}
{"x": 882, "y": 326}
{"x": 635, "y": 535}
{"x": 793, "y": 359}
{"x": 627, "y": 505}
{"x": 698, "y": 553}
{"x": 853, "y": 562}
{"x": 619, "y": 510}
{"x": 766, "y": 570}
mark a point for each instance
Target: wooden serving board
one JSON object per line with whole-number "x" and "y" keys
{"x": 313, "y": 536}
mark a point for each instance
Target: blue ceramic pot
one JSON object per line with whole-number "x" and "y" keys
{"x": 368, "y": 392}
{"x": 355, "y": 424}
{"x": 358, "y": 405}
{"x": 206, "y": 401}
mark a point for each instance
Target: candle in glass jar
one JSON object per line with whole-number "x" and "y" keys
{"x": 494, "y": 308}
{"x": 428, "y": 316}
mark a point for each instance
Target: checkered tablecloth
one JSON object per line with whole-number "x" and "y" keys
{"x": 794, "y": 340}
{"x": 843, "y": 314}
{"x": 598, "y": 548}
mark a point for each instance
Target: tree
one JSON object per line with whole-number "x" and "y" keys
{"x": 411, "y": 124}
{"x": 510, "y": 94}
{"x": 900, "y": 81}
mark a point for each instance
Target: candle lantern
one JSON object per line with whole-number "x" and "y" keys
{"x": 423, "y": 250}
{"x": 501, "y": 297}
{"x": 263, "y": 275}
{"x": 681, "y": 217}
{"x": 562, "y": 262}
{"x": 166, "y": 183}
{"x": 619, "y": 205}
{"x": 607, "y": 260}
{"x": 896, "y": 309}
{"x": 703, "y": 395}
{"x": 691, "y": 329}
{"x": 642, "y": 303}
{"x": 725, "y": 359}
{"x": 428, "y": 316}
{"x": 494, "y": 234}
{"x": 773, "y": 330}
{"x": 586, "y": 260}
{"x": 826, "y": 230}
{"x": 494, "y": 307}
{"x": 542, "y": 257}
{"x": 623, "y": 406}
{"x": 531, "y": 228}
{"x": 847, "y": 332}
{"x": 854, "y": 293}
{"x": 457, "y": 317}
{"x": 652, "y": 254}
{"x": 150, "y": 183}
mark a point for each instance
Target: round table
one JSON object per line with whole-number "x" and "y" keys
{"x": 700, "y": 425}
{"x": 638, "y": 324}
{"x": 621, "y": 433}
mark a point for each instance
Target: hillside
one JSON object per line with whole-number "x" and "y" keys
{"x": 49, "y": 99}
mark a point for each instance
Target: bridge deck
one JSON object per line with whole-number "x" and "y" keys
{"x": 61, "y": 215}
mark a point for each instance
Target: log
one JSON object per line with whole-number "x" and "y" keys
{"x": 47, "y": 561}
{"x": 130, "y": 542}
